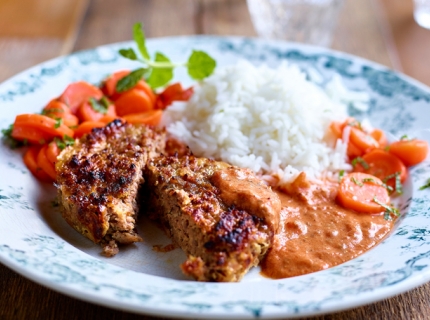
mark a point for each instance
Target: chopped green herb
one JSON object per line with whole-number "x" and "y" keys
{"x": 397, "y": 184}
{"x": 404, "y": 137}
{"x": 65, "y": 142}
{"x": 341, "y": 174}
{"x": 8, "y": 139}
{"x": 100, "y": 106}
{"x": 389, "y": 211}
{"x": 159, "y": 72}
{"x": 47, "y": 112}
{"x": 426, "y": 185}
{"x": 358, "y": 183}
{"x": 389, "y": 188}
{"x": 361, "y": 161}
{"x": 58, "y": 122}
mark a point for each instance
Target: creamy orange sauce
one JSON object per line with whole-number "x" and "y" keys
{"x": 315, "y": 233}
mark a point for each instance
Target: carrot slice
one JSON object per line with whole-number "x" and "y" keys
{"x": 173, "y": 92}
{"x": 380, "y": 137}
{"x": 410, "y": 152}
{"x": 43, "y": 123}
{"x": 107, "y": 119}
{"x": 353, "y": 151}
{"x": 362, "y": 192}
{"x": 142, "y": 85}
{"x": 52, "y": 152}
{"x": 362, "y": 140}
{"x": 30, "y": 160}
{"x": 58, "y": 110}
{"x": 152, "y": 117}
{"x": 382, "y": 165}
{"x": 78, "y": 92}
{"x": 133, "y": 101}
{"x": 32, "y": 135}
{"x": 86, "y": 127}
{"x": 336, "y": 129}
{"x": 44, "y": 163}
{"x": 86, "y": 112}
{"x": 109, "y": 85}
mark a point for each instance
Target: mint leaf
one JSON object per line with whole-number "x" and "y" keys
{"x": 200, "y": 65}
{"x": 101, "y": 105}
{"x": 160, "y": 75}
{"x": 8, "y": 139}
{"x": 128, "y": 53}
{"x": 139, "y": 38}
{"x": 130, "y": 80}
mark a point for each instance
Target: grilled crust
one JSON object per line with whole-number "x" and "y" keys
{"x": 98, "y": 180}
{"x": 222, "y": 243}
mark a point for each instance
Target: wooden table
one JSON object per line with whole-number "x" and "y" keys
{"x": 34, "y": 31}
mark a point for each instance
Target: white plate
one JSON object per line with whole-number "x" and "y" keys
{"x": 37, "y": 243}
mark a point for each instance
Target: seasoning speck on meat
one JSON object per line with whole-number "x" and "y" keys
{"x": 222, "y": 239}
{"x": 98, "y": 181}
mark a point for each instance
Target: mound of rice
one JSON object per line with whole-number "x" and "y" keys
{"x": 273, "y": 121}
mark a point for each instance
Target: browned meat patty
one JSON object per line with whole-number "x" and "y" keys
{"x": 223, "y": 217}
{"x": 98, "y": 180}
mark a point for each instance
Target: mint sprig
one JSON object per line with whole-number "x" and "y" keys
{"x": 159, "y": 71}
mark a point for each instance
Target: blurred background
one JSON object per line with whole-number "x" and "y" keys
{"x": 32, "y": 31}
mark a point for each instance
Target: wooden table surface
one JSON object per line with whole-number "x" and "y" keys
{"x": 34, "y": 31}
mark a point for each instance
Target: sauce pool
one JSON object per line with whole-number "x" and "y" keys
{"x": 315, "y": 233}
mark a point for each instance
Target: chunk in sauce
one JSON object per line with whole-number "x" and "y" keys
{"x": 315, "y": 233}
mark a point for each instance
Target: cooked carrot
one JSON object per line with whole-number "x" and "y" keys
{"x": 56, "y": 109}
{"x": 362, "y": 192}
{"x": 31, "y": 135}
{"x": 151, "y": 118}
{"x": 365, "y": 142}
{"x": 142, "y": 85}
{"x": 382, "y": 165}
{"x": 379, "y": 137}
{"x": 410, "y": 152}
{"x": 52, "y": 152}
{"x": 353, "y": 151}
{"x": 133, "y": 101}
{"x": 86, "y": 127}
{"x": 78, "y": 92}
{"x": 44, "y": 163}
{"x": 30, "y": 160}
{"x": 109, "y": 85}
{"x": 107, "y": 119}
{"x": 86, "y": 112}
{"x": 173, "y": 92}
{"x": 336, "y": 129}
{"x": 48, "y": 125}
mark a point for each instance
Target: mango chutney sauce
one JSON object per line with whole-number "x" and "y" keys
{"x": 315, "y": 233}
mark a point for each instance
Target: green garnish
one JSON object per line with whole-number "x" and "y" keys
{"x": 374, "y": 182}
{"x": 341, "y": 174}
{"x": 58, "y": 122}
{"x": 100, "y": 106}
{"x": 358, "y": 183}
{"x": 159, "y": 72}
{"x": 389, "y": 211}
{"x": 65, "y": 142}
{"x": 47, "y": 112}
{"x": 427, "y": 185}
{"x": 405, "y": 137}
{"x": 398, "y": 184}
{"x": 361, "y": 161}
{"x": 8, "y": 139}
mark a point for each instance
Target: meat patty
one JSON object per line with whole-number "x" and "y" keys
{"x": 222, "y": 238}
{"x": 98, "y": 180}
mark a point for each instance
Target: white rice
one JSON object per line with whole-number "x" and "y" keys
{"x": 273, "y": 121}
